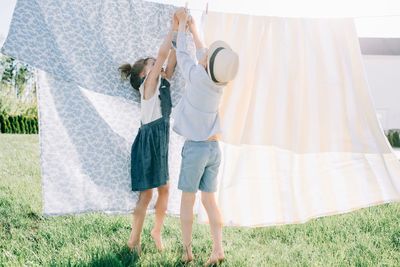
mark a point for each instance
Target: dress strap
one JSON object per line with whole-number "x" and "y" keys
{"x": 165, "y": 98}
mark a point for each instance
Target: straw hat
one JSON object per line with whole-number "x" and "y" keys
{"x": 223, "y": 63}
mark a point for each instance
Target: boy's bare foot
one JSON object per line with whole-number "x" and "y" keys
{"x": 187, "y": 259}
{"x": 156, "y": 235}
{"x": 188, "y": 256}
{"x": 135, "y": 247}
{"x": 215, "y": 259}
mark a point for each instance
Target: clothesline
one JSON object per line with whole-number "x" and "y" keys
{"x": 377, "y": 16}
{"x": 206, "y": 9}
{"x": 357, "y": 17}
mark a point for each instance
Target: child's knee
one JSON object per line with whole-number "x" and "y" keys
{"x": 207, "y": 199}
{"x": 145, "y": 196}
{"x": 163, "y": 190}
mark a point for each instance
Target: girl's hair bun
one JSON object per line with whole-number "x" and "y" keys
{"x": 125, "y": 71}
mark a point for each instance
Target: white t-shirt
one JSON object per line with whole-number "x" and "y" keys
{"x": 150, "y": 109}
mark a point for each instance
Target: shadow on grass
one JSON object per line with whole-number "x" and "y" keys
{"x": 122, "y": 258}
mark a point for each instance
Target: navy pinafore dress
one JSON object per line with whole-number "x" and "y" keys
{"x": 149, "y": 156}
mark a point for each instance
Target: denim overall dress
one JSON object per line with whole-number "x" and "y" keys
{"x": 149, "y": 156}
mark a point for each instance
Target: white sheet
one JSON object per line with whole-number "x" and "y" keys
{"x": 301, "y": 138}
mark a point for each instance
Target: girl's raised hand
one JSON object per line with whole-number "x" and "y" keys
{"x": 182, "y": 14}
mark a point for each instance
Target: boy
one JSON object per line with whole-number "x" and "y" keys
{"x": 196, "y": 118}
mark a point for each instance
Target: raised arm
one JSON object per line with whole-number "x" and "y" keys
{"x": 169, "y": 71}
{"x": 171, "y": 64}
{"x": 200, "y": 47}
{"x": 196, "y": 37}
{"x": 153, "y": 76}
{"x": 185, "y": 62}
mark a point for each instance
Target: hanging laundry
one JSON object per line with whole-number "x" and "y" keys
{"x": 88, "y": 116}
{"x": 301, "y": 138}
{"x": 300, "y": 134}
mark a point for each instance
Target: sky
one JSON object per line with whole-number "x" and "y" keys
{"x": 372, "y": 18}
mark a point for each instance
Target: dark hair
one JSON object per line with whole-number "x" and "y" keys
{"x": 134, "y": 71}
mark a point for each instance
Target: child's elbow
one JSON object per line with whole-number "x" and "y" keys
{"x": 169, "y": 73}
{"x": 163, "y": 53}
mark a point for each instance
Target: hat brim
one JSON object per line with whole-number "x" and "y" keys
{"x": 214, "y": 46}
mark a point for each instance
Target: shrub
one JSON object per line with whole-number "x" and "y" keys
{"x": 18, "y": 124}
{"x": 393, "y": 136}
{"x": 2, "y": 124}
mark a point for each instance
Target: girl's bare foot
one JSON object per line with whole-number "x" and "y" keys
{"x": 134, "y": 243}
{"x": 156, "y": 235}
{"x": 215, "y": 258}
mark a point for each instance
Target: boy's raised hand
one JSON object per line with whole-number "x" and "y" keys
{"x": 191, "y": 24}
{"x": 175, "y": 23}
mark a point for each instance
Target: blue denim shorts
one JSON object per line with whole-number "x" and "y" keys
{"x": 199, "y": 168}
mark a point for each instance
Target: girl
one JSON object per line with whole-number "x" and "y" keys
{"x": 150, "y": 149}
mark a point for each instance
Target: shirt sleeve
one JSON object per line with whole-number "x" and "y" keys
{"x": 185, "y": 62}
{"x": 200, "y": 53}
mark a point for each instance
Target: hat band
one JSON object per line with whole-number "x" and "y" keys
{"x": 212, "y": 59}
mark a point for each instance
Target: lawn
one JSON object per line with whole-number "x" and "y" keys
{"x": 368, "y": 237}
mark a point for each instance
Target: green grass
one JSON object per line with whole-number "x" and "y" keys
{"x": 368, "y": 237}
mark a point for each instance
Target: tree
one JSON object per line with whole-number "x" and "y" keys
{"x": 18, "y": 102}
{"x": 2, "y": 124}
{"x": 8, "y": 125}
{"x": 9, "y": 70}
{"x": 12, "y": 126}
{"x": 30, "y": 123}
{"x": 21, "y": 77}
{"x": 21, "y": 124}
{"x": 36, "y": 126}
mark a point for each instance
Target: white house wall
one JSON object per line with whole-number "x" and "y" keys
{"x": 383, "y": 73}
